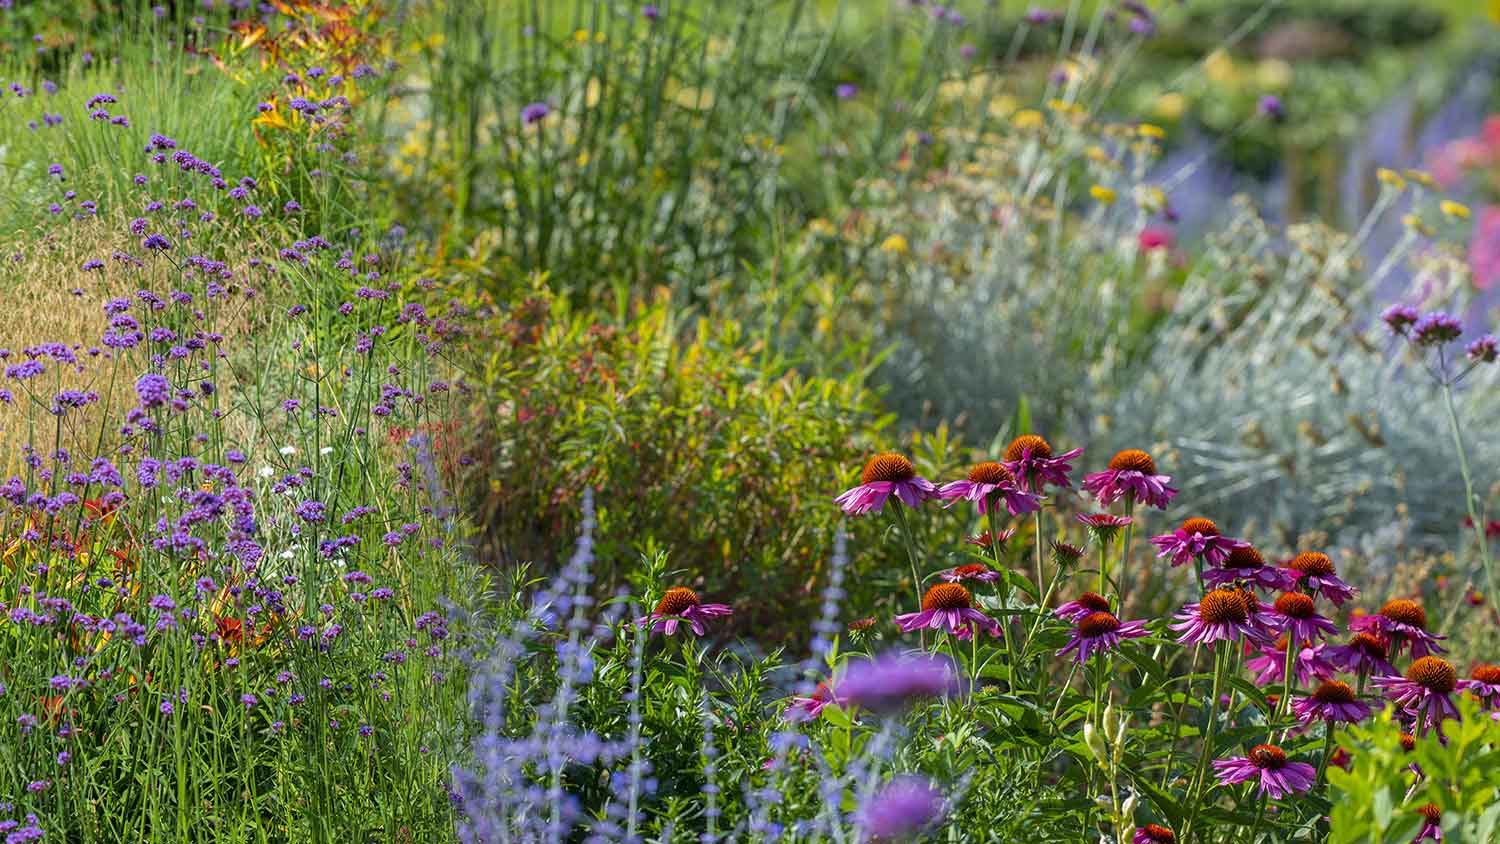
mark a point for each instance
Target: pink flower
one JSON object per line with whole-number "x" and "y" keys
{"x": 1423, "y": 694}
{"x": 1484, "y": 684}
{"x": 1403, "y": 623}
{"x": 1332, "y": 701}
{"x": 680, "y": 605}
{"x": 1101, "y": 632}
{"x": 1029, "y": 459}
{"x": 950, "y": 608}
{"x": 1309, "y": 664}
{"x": 1131, "y": 475}
{"x": 1484, "y": 248}
{"x": 1366, "y": 653}
{"x": 884, "y": 475}
{"x": 1314, "y": 572}
{"x": 1196, "y": 538}
{"x": 809, "y": 708}
{"x": 1224, "y": 615}
{"x": 989, "y": 483}
{"x": 1432, "y": 823}
{"x": 1084, "y": 605}
{"x": 1296, "y": 615}
{"x": 1267, "y": 763}
{"x": 1244, "y": 563}
{"x": 1103, "y": 526}
{"x": 1154, "y": 237}
{"x": 972, "y": 571}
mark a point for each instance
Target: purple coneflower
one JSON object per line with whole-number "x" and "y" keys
{"x": 1270, "y": 665}
{"x": 989, "y": 483}
{"x": 983, "y": 540}
{"x": 1245, "y": 564}
{"x": 1432, "y": 823}
{"x": 971, "y": 571}
{"x": 1424, "y": 693}
{"x": 884, "y": 475}
{"x": 534, "y": 112}
{"x": 1153, "y": 834}
{"x": 1366, "y": 653}
{"x": 1101, "y": 632}
{"x": 892, "y": 680}
{"x": 1484, "y": 685}
{"x": 809, "y": 708}
{"x": 1267, "y": 763}
{"x": 1296, "y": 615}
{"x": 1132, "y": 476}
{"x": 906, "y": 806}
{"x": 1084, "y": 605}
{"x": 680, "y": 605}
{"x": 948, "y": 607}
{"x": 1332, "y": 701}
{"x": 1314, "y": 572}
{"x": 1402, "y": 623}
{"x": 1029, "y": 458}
{"x": 1103, "y": 526}
{"x": 1224, "y": 615}
{"x": 1196, "y": 538}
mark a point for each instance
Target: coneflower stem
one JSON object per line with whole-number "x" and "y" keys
{"x": 1327, "y": 752}
{"x": 911, "y": 555}
{"x": 1124, "y": 551}
{"x": 1469, "y": 503}
{"x": 1284, "y": 705}
{"x": 1039, "y": 558}
{"x": 1196, "y": 794}
{"x": 1010, "y": 660}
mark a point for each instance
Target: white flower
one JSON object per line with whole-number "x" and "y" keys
{"x": 288, "y": 450}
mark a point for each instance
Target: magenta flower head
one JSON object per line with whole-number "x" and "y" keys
{"x": 1400, "y": 318}
{"x": 948, "y": 607}
{"x": 1310, "y": 664}
{"x": 1103, "y": 526}
{"x": 893, "y": 680}
{"x": 1132, "y": 476}
{"x": 902, "y": 810}
{"x": 1084, "y": 605}
{"x": 845, "y": 91}
{"x": 1029, "y": 458}
{"x": 1196, "y": 538}
{"x": 1153, "y": 834}
{"x": 1332, "y": 701}
{"x": 804, "y": 709}
{"x": 1484, "y": 350}
{"x": 1432, "y": 823}
{"x": 971, "y": 571}
{"x": 1436, "y": 328}
{"x": 1425, "y": 692}
{"x": 1101, "y": 632}
{"x": 1271, "y": 107}
{"x": 1267, "y": 763}
{"x": 1484, "y": 685}
{"x": 983, "y": 540}
{"x": 989, "y": 484}
{"x": 1296, "y": 615}
{"x": 1245, "y": 565}
{"x": 1366, "y": 653}
{"x": 1313, "y": 571}
{"x": 1403, "y": 624}
{"x": 1224, "y": 615}
{"x": 680, "y": 605}
{"x": 884, "y": 475}
{"x": 533, "y": 113}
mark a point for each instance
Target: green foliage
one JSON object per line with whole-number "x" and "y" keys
{"x": 694, "y": 436}
{"x": 1377, "y": 798}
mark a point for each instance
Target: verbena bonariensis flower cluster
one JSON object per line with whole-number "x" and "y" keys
{"x": 225, "y": 548}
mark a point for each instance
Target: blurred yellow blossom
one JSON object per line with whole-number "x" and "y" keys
{"x": 1170, "y": 106}
{"x": 895, "y": 244}
{"x": 1028, "y": 118}
{"x": 1413, "y": 222}
{"x": 1421, "y": 177}
{"x": 1390, "y": 178}
{"x": 1457, "y": 210}
{"x": 1151, "y": 130}
{"x": 1102, "y": 193}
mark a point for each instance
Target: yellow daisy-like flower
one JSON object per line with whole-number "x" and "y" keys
{"x": 1028, "y": 118}
{"x": 895, "y": 244}
{"x": 1421, "y": 177}
{"x": 1457, "y": 210}
{"x": 1151, "y": 130}
{"x": 1390, "y": 178}
{"x": 1413, "y": 222}
{"x": 1102, "y": 193}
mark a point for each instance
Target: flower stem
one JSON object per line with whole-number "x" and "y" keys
{"x": 1327, "y": 752}
{"x": 911, "y": 555}
{"x": 1469, "y": 502}
{"x": 1195, "y": 799}
{"x": 1010, "y": 657}
{"x": 1124, "y": 552}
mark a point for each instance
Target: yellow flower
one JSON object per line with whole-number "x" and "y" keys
{"x": 1151, "y": 130}
{"x": 581, "y": 36}
{"x": 1390, "y": 178}
{"x": 1171, "y": 106}
{"x": 1151, "y": 198}
{"x": 1413, "y": 222}
{"x": 1421, "y": 177}
{"x": 1102, "y": 193}
{"x": 820, "y": 227}
{"x": 895, "y": 245}
{"x": 1028, "y": 118}
{"x": 1453, "y": 209}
